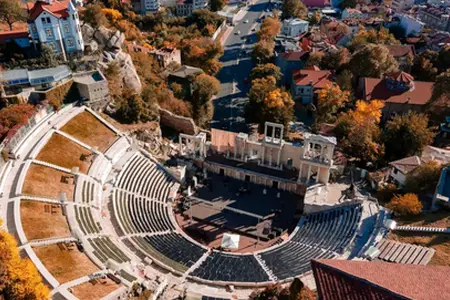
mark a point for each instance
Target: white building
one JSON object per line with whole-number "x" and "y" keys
{"x": 187, "y": 7}
{"x": 56, "y": 24}
{"x": 150, "y": 6}
{"x": 294, "y": 27}
{"x": 409, "y": 23}
{"x": 401, "y": 5}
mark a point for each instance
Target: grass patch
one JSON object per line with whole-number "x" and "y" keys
{"x": 62, "y": 152}
{"x": 51, "y": 222}
{"x": 65, "y": 262}
{"x": 95, "y": 289}
{"x": 88, "y": 129}
{"x": 47, "y": 182}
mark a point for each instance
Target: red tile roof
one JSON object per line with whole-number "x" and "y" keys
{"x": 57, "y": 8}
{"x": 375, "y": 88}
{"x": 401, "y": 77}
{"x": 318, "y": 79}
{"x": 293, "y": 55}
{"x": 344, "y": 279}
{"x": 316, "y": 3}
{"x": 14, "y": 34}
{"x": 407, "y": 164}
{"x": 401, "y": 50}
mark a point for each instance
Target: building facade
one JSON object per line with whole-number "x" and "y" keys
{"x": 294, "y": 27}
{"x": 401, "y": 5}
{"x": 270, "y": 160}
{"x": 434, "y": 17}
{"x": 150, "y": 6}
{"x": 306, "y": 83}
{"x": 187, "y": 7}
{"x": 56, "y": 24}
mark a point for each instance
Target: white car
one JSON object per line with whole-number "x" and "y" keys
{"x": 246, "y": 21}
{"x": 238, "y": 32}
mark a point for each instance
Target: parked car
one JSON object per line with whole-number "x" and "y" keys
{"x": 238, "y": 32}
{"x": 246, "y": 21}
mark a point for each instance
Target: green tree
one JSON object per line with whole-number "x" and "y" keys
{"x": 345, "y": 80}
{"x": 423, "y": 67}
{"x": 94, "y": 15}
{"x": 203, "y": 17}
{"x": 294, "y": 9}
{"x": 11, "y": 12}
{"x": 335, "y": 59}
{"x": 205, "y": 87}
{"x": 314, "y": 59}
{"x": 261, "y": 71}
{"x": 407, "y": 135}
{"x": 132, "y": 109}
{"x": 372, "y": 61}
{"x": 439, "y": 105}
{"x": 372, "y": 36}
{"x": 424, "y": 178}
{"x": 260, "y": 89}
{"x": 217, "y": 5}
{"x": 443, "y": 59}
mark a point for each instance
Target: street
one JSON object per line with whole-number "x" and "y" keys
{"x": 230, "y": 103}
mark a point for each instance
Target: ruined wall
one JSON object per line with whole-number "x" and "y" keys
{"x": 178, "y": 123}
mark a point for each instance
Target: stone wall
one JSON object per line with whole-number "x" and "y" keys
{"x": 178, "y": 123}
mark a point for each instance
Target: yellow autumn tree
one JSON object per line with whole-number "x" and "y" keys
{"x": 330, "y": 100}
{"x": 112, "y": 15}
{"x": 404, "y": 205}
{"x": 372, "y": 36}
{"x": 278, "y": 107}
{"x": 359, "y": 132}
{"x": 19, "y": 279}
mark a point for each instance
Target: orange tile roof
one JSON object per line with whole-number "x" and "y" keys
{"x": 318, "y": 79}
{"x": 345, "y": 279}
{"x": 375, "y": 88}
{"x": 57, "y": 8}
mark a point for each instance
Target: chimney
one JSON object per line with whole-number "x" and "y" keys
{"x": 310, "y": 82}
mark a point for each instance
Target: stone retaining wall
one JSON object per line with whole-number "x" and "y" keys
{"x": 178, "y": 123}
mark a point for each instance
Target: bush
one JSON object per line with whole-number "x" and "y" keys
{"x": 386, "y": 193}
{"x": 404, "y": 205}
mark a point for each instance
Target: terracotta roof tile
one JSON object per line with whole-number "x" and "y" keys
{"x": 407, "y": 164}
{"x": 318, "y": 79}
{"x": 401, "y": 76}
{"x": 57, "y": 8}
{"x": 401, "y": 50}
{"x": 375, "y": 88}
{"x": 293, "y": 55}
{"x": 344, "y": 279}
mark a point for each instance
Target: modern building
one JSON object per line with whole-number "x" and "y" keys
{"x": 16, "y": 80}
{"x": 93, "y": 87}
{"x": 57, "y": 25}
{"x": 268, "y": 160}
{"x": 306, "y": 84}
{"x": 401, "y": 5}
{"x": 187, "y": 7}
{"x": 294, "y": 27}
{"x": 351, "y": 279}
{"x": 399, "y": 92}
{"x": 150, "y": 6}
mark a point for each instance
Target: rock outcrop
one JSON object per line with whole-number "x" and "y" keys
{"x": 110, "y": 43}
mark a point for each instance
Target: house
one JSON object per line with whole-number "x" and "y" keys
{"x": 410, "y": 24}
{"x": 401, "y": 5}
{"x": 352, "y": 13}
{"x": 17, "y": 80}
{"x": 93, "y": 86}
{"x": 403, "y": 54}
{"x": 294, "y": 27}
{"x": 19, "y": 37}
{"x": 434, "y": 17}
{"x": 399, "y": 92}
{"x": 150, "y": 6}
{"x": 307, "y": 83}
{"x": 336, "y": 279}
{"x": 57, "y": 25}
{"x": 184, "y": 76}
{"x": 400, "y": 168}
{"x": 166, "y": 55}
{"x": 288, "y": 61}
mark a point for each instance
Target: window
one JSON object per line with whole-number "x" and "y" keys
{"x": 48, "y": 32}
{"x": 70, "y": 42}
{"x": 48, "y": 20}
{"x": 33, "y": 28}
{"x": 66, "y": 28}
{"x": 290, "y": 162}
{"x": 395, "y": 171}
{"x": 301, "y": 90}
{"x": 43, "y": 21}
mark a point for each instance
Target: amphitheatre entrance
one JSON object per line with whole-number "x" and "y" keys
{"x": 259, "y": 214}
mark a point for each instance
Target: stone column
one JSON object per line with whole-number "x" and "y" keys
{"x": 279, "y": 157}
{"x": 300, "y": 173}
{"x": 309, "y": 174}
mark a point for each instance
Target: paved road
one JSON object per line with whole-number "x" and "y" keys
{"x": 230, "y": 102}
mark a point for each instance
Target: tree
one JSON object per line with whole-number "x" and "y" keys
{"x": 19, "y": 279}
{"x": 14, "y": 115}
{"x": 112, "y": 74}
{"x": 386, "y": 192}
{"x": 205, "y": 87}
{"x": 407, "y": 135}
{"x": 330, "y": 100}
{"x": 315, "y": 19}
{"x": 296, "y": 291}
{"x": 202, "y": 53}
{"x": 112, "y": 15}
{"x": 423, "y": 67}
{"x": 11, "y": 12}
{"x": 263, "y": 51}
{"x": 443, "y": 59}
{"x": 260, "y": 89}
{"x": 278, "y": 107}
{"x": 269, "y": 29}
{"x": 404, "y": 205}
{"x": 314, "y": 59}
{"x": 94, "y": 15}
{"x": 359, "y": 133}
{"x": 203, "y": 17}
{"x": 345, "y": 80}
{"x": 424, "y": 178}
{"x": 294, "y": 9}
{"x": 347, "y": 4}
{"x": 372, "y": 61}
{"x": 372, "y": 36}
{"x": 217, "y": 5}
{"x": 132, "y": 109}
{"x": 261, "y": 71}
{"x": 335, "y": 59}
{"x": 439, "y": 105}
